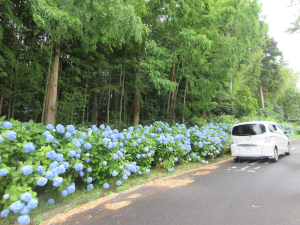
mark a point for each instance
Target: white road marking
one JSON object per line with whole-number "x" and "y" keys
{"x": 234, "y": 167}
{"x": 255, "y": 206}
{"x": 251, "y": 171}
{"x": 257, "y": 167}
{"x": 293, "y": 148}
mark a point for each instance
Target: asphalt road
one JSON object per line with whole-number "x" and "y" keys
{"x": 251, "y": 192}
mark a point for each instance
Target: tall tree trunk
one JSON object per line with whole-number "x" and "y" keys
{"x": 261, "y": 95}
{"x": 83, "y": 111}
{"x": 184, "y": 101}
{"x": 1, "y": 103}
{"x": 51, "y": 100}
{"x": 95, "y": 109}
{"x": 46, "y": 87}
{"x": 136, "y": 112}
{"x": 108, "y": 100}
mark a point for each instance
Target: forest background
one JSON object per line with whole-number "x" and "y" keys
{"x": 134, "y": 62}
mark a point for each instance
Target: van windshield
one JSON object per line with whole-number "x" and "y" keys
{"x": 248, "y": 129}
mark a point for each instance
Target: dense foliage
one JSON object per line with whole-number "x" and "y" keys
{"x": 131, "y": 62}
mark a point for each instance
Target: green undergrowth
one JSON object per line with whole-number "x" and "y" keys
{"x": 82, "y": 196}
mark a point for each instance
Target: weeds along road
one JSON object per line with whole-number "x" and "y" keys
{"x": 252, "y": 192}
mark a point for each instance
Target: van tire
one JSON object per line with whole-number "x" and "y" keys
{"x": 275, "y": 159}
{"x": 289, "y": 150}
{"x": 236, "y": 160}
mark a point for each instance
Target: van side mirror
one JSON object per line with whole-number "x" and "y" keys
{"x": 285, "y": 132}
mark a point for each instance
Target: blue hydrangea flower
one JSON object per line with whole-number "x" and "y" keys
{"x": 55, "y": 171}
{"x": 59, "y": 157}
{"x": 51, "y": 155}
{"x": 41, "y": 181}
{"x": 4, "y": 213}
{"x": 147, "y": 171}
{"x": 89, "y": 180}
{"x": 53, "y": 165}
{"x": 70, "y": 128}
{"x": 71, "y": 189}
{"x": 77, "y": 156}
{"x": 49, "y": 137}
{"x": 66, "y": 165}
{"x": 143, "y": 155}
{"x": 57, "y": 181}
{"x": 114, "y": 173}
{"x": 48, "y": 174}
{"x": 40, "y": 170}
{"x": 17, "y": 206}
{"x": 81, "y": 174}
{"x": 104, "y": 163}
{"x": 149, "y": 155}
{"x": 49, "y": 127}
{"x": 26, "y": 197}
{"x": 61, "y": 169}
{"x": 3, "y": 172}
{"x": 87, "y": 160}
{"x": 159, "y": 129}
{"x": 78, "y": 167}
{"x": 72, "y": 153}
{"x": 115, "y": 156}
{"x": 11, "y": 135}
{"x": 90, "y": 187}
{"x": 81, "y": 141}
{"x": 1, "y": 138}
{"x": 119, "y": 183}
{"x": 76, "y": 142}
{"x": 106, "y": 185}
{"x": 87, "y": 146}
{"x": 50, "y": 201}
{"x": 176, "y": 159}
{"x": 29, "y": 147}
{"x": 24, "y": 219}
{"x": 125, "y": 177}
{"x": 140, "y": 173}
{"x": 68, "y": 135}
{"x": 171, "y": 149}
{"x": 7, "y": 124}
{"x": 138, "y": 156}
{"x": 25, "y": 210}
{"x": 134, "y": 144}
{"x": 60, "y": 128}
{"x": 89, "y": 169}
{"x": 64, "y": 193}
{"x": 33, "y": 203}
{"x": 26, "y": 170}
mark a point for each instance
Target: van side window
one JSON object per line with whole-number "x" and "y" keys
{"x": 271, "y": 129}
{"x": 279, "y": 130}
{"x": 275, "y": 129}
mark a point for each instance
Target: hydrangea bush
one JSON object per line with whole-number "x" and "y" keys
{"x": 56, "y": 158}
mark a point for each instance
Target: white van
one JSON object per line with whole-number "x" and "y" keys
{"x": 258, "y": 139}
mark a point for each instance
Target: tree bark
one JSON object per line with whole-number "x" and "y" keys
{"x": 136, "y": 112}
{"x": 261, "y": 95}
{"x": 51, "y": 100}
{"x": 184, "y": 101}
{"x": 108, "y": 100}
{"x": 1, "y": 104}
{"x": 95, "y": 109}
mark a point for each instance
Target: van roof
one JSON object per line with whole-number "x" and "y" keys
{"x": 256, "y": 121}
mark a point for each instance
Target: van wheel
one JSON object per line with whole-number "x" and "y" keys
{"x": 275, "y": 159}
{"x": 289, "y": 150}
{"x": 236, "y": 160}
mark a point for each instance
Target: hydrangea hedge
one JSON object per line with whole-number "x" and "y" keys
{"x": 56, "y": 158}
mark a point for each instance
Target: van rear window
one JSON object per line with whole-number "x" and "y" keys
{"x": 248, "y": 129}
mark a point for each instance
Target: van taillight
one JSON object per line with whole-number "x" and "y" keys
{"x": 232, "y": 142}
{"x": 268, "y": 139}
